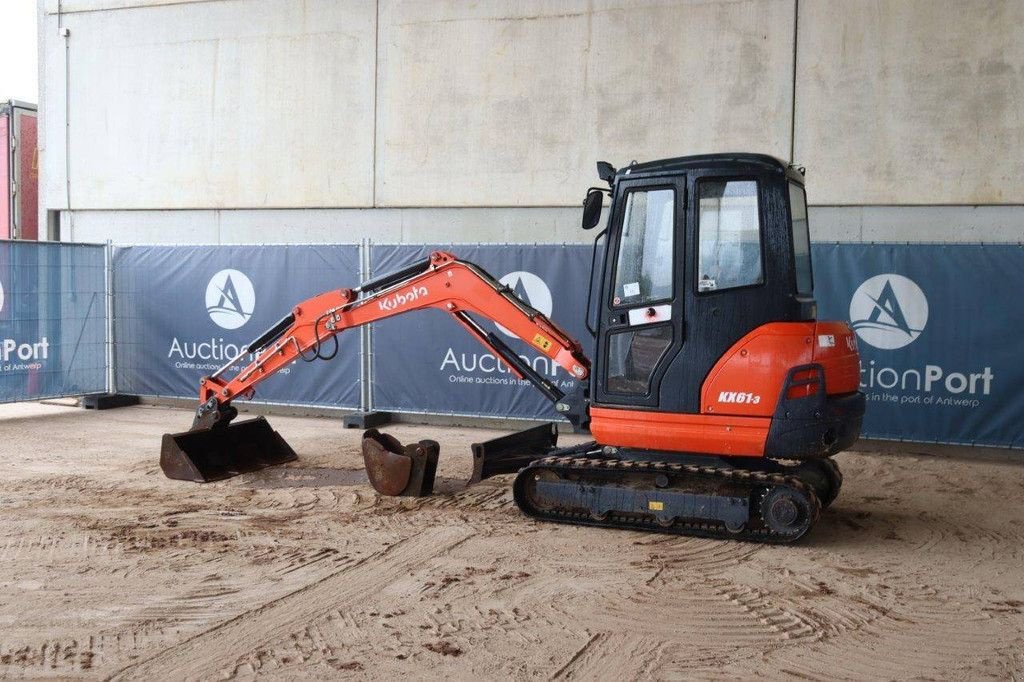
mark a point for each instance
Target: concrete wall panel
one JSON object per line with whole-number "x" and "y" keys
{"x": 52, "y": 177}
{"x": 67, "y": 6}
{"x": 952, "y": 224}
{"x": 911, "y": 101}
{"x": 266, "y": 103}
{"x": 501, "y": 103}
{"x": 141, "y": 227}
{"x": 330, "y": 226}
{"x": 970, "y": 224}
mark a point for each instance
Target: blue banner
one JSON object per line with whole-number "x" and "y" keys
{"x": 181, "y": 312}
{"x": 53, "y": 330}
{"x": 426, "y": 362}
{"x": 937, "y": 330}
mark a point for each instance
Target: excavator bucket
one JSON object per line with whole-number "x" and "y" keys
{"x": 397, "y": 470}
{"x": 220, "y": 452}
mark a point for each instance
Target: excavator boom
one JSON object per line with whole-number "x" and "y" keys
{"x": 441, "y": 282}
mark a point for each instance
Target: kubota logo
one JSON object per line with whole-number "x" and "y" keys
{"x": 888, "y": 311}
{"x": 396, "y": 301}
{"x": 530, "y": 289}
{"x": 230, "y": 299}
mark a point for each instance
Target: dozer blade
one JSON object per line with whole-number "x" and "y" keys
{"x": 508, "y": 454}
{"x": 397, "y": 470}
{"x": 221, "y": 452}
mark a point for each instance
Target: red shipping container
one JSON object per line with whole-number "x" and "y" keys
{"x": 19, "y": 171}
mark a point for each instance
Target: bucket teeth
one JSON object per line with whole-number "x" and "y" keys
{"x": 397, "y": 470}
{"x": 213, "y": 454}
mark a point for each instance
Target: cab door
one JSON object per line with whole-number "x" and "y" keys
{"x": 640, "y": 328}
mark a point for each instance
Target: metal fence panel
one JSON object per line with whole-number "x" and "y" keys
{"x": 53, "y": 331}
{"x": 183, "y": 311}
{"x": 426, "y": 362}
{"x": 938, "y": 329}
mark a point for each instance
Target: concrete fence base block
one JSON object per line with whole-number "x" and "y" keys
{"x": 106, "y": 401}
{"x": 365, "y": 420}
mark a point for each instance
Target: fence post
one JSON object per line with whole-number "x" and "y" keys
{"x": 111, "y": 398}
{"x": 108, "y": 274}
{"x": 368, "y": 272}
{"x": 366, "y": 417}
{"x": 364, "y": 335}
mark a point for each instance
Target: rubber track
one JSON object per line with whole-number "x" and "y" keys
{"x": 754, "y": 531}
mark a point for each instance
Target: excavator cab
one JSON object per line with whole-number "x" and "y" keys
{"x": 702, "y": 252}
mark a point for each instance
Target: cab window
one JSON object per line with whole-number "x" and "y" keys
{"x": 633, "y": 355}
{"x": 801, "y": 239}
{"x": 643, "y": 267}
{"x": 729, "y": 227}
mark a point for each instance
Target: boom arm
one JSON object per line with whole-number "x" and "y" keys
{"x": 442, "y": 282}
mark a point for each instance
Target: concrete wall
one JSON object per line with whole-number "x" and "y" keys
{"x": 912, "y": 101}
{"x": 264, "y": 103}
{"x": 511, "y": 225}
{"x": 524, "y": 97}
{"x": 327, "y": 226}
{"x": 440, "y": 120}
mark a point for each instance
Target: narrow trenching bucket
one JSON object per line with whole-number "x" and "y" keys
{"x": 221, "y": 452}
{"x": 399, "y": 470}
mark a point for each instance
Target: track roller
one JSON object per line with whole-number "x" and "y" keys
{"x": 788, "y": 511}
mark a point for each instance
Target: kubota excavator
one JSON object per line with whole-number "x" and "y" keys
{"x": 716, "y": 399}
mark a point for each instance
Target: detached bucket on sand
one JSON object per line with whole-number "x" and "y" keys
{"x": 221, "y": 452}
{"x": 399, "y": 470}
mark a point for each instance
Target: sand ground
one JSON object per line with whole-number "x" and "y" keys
{"x": 107, "y": 569}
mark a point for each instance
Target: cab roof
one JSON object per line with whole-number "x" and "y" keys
{"x": 740, "y": 161}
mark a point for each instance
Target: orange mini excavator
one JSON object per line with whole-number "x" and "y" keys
{"x": 716, "y": 398}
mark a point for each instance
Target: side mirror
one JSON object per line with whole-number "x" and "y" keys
{"x": 606, "y": 172}
{"x": 592, "y": 208}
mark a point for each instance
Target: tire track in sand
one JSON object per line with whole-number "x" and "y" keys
{"x": 612, "y": 655}
{"x": 71, "y": 656}
{"x": 208, "y": 652}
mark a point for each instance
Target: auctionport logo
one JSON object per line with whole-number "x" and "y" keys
{"x": 230, "y": 299}
{"x": 889, "y": 311}
{"x": 530, "y": 289}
